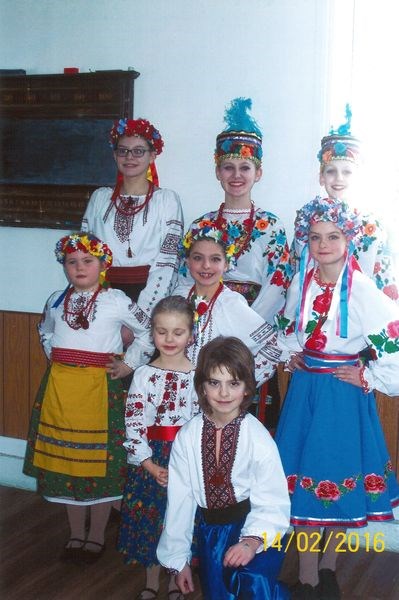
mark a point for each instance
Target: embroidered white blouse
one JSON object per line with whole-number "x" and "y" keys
{"x": 156, "y": 397}
{"x": 231, "y": 316}
{"x": 373, "y": 320}
{"x": 112, "y": 309}
{"x": 153, "y": 235}
{"x": 256, "y": 473}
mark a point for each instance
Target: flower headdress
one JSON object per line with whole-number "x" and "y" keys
{"x": 144, "y": 129}
{"x": 345, "y": 218}
{"x": 85, "y": 242}
{"x": 136, "y": 127}
{"x": 242, "y": 137}
{"x": 349, "y": 222}
{"x": 208, "y": 230}
{"x": 340, "y": 144}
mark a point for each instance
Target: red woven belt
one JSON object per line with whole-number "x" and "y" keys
{"x": 80, "y": 357}
{"x": 128, "y": 274}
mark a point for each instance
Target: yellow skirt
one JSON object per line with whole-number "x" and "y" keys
{"x": 73, "y": 429}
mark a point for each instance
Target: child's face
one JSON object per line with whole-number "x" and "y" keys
{"x": 237, "y": 176}
{"x": 83, "y": 270}
{"x": 327, "y": 244}
{"x": 132, "y": 165}
{"x": 225, "y": 395}
{"x": 206, "y": 263}
{"x": 338, "y": 178}
{"x": 171, "y": 333}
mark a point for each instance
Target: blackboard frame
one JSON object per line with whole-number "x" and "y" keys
{"x": 47, "y": 195}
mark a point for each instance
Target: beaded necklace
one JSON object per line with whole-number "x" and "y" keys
{"x": 201, "y": 307}
{"x": 248, "y": 226}
{"x": 79, "y": 319}
{"x": 123, "y": 203}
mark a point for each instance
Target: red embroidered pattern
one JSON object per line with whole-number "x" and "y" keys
{"x": 219, "y": 490}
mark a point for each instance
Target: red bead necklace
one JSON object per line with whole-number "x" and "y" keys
{"x": 79, "y": 319}
{"x": 123, "y": 205}
{"x": 248, "y": 226}
{"x": 201, "y": 307}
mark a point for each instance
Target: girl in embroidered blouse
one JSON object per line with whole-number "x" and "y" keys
{"x": 161, "y": 399}
{"x": 141, "y": 222}
{"x": 225, "y": 462}
{"x": 259, "y": 267}
{"x": 207, "y": 253}
{"x": 329, "y": 435}
{"x": 75, "y": 439}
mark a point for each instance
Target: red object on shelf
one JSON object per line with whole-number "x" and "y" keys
{"x": 70, "y": 70}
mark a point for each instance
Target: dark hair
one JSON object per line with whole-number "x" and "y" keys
{"x": 232, "y": 354}
{"x": 176, "y": 304}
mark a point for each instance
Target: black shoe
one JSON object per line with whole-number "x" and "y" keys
{"x": 329, "y": 588}
{"x": 74, "y": 552}
{"x": 305, "y": 591}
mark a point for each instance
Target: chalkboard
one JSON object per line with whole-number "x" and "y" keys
{"x": 56, "y": 151}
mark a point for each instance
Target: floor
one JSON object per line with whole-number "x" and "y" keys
{"x": 33, "y": 532}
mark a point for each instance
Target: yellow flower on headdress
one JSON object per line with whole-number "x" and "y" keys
{"x": 230, "y": 250}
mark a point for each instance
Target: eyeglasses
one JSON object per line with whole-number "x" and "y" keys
{"x": 137, "y": 152}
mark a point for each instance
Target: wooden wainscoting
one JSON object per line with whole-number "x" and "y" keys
{"x": 22, "y": 366}
{"x": 388, "y": 410}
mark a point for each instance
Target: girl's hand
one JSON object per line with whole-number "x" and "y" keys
{"x": 158, "y": 473}
{"x": 184, "y": 580}
{"x": 349, "y": 374}
{"x": 117, "y": 368}
{"x": 242, "y": 553}
{"x": 295, "y": 362}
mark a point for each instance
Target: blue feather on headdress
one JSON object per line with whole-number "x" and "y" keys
{"x": 345, "y": 128}
{"x": 237, "y": 117}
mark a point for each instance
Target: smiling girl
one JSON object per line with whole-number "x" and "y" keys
{"x": 218, "y": 310}
{"x": 329, "y": 435}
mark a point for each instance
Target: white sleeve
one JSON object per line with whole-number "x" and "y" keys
{"x": 236, "y": 318}
{"x": 136, "y": 422}
{"x": 163, "y": 272}
{"x": 140, "y": 351}
{"x": 270, "y": 503}
{"x": 47, "y": 324}
{"x": 287, "y": 338}
{"x": 91, "y": 213}
{"x": 174, "y": 548}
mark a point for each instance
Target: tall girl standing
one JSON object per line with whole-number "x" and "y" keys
{"x": 161, "y": 399}
{"x": 141, "y": 222}
{"x": 329, "y": 435}
{"x": 259, "y": 268}
{"x": 75, "y": 441}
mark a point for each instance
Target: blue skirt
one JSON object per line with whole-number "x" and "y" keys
{"x": 334, "y": 454}
{"x": 143, "y": 510}
{"x": 255, "y": 581}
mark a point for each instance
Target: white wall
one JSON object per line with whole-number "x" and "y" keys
{"x": 194, "y": 57}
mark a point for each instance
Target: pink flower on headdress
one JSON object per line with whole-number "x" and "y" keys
{"x": 246, "y": 152}
{"x": 369, "y": 229}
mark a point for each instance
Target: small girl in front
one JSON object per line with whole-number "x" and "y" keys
{"x": 75, "y": 440}
{"x": 225, "y": 462}
{"x": 160, "y": 400}
{"x": 329, "y": 436}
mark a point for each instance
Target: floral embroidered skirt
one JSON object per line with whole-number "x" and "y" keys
{"x": 143, "y": 510}
{"x": 90, "y": 490}
{"x": 334, "y": 454}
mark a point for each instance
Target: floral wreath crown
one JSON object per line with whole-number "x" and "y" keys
{"x": 242, "y": 137}
{"x": 137, "y": 127}
{"x": 327, "y": 209}
{"x": 208, "y": 230}
{"x": 85, "y": 242}
{"x": 340, "y": 144}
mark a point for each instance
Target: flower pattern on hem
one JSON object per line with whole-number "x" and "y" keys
{"x": 329, "y": 491}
